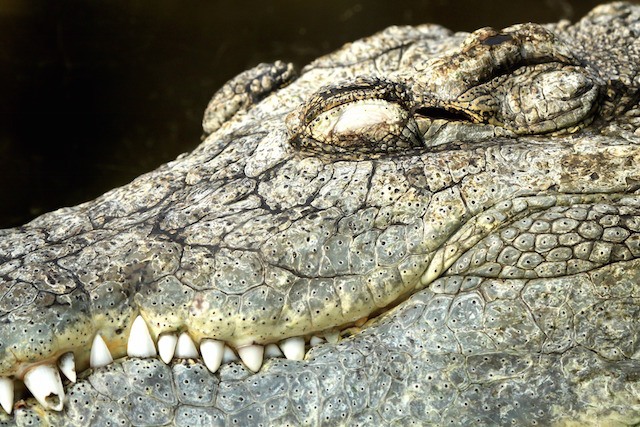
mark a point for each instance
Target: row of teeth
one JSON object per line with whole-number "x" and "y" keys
{"x": 44, "y": 382}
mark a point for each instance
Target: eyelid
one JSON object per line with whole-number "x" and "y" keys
{"x": 363, "y": 114}
{"x": 368, "y": 114}
{"x": 360, "y": 89}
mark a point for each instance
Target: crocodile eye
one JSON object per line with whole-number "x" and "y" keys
{"x": 367, "y": 115}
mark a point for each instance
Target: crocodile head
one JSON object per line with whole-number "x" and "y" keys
{"x": 457, "y": 215}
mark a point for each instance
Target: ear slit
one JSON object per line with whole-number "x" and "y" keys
{"x": 443, "y": 113}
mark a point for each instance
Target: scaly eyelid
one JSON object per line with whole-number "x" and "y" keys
{"x": 368, "y": 114}
{"x": 364, "y": 114}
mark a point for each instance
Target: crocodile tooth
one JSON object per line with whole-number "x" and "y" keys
{"x": 316, "y": 340}
{"x": 212, "y": 352}
{"x": 272, "y": 350}
{"x": 6, "y": 394}
{"x": 140, "y": 343}
{"x": 67, "y": 364}
{"x": 186, "y": 349}
{"x": 293, "y": 348}
{"x": 100, "y": 354}
{"x": 229, "y": 355}
{"x": 44, "y": 383}
{"x": 332, "y": 336}
{"x": 167, "y": 346}
{"x": 251, "y": 356}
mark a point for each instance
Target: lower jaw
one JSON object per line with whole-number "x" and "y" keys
{"x": 115, "y": 338}
{"x": 118, "y": 353}
{"x": 377, "y": 367}
{"x": 118, "y": 345}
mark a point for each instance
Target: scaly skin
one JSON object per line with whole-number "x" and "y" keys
{"x": 488, "y": 209}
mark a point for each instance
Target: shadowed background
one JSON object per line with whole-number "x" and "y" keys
{"x": 94, "y": 93}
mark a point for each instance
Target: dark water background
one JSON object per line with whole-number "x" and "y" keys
{"x": 94, "y": 93}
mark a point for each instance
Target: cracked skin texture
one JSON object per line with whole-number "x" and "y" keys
{"x": 492, "y": 220}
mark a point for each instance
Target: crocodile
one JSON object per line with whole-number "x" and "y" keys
{"x": 423, "y": 227}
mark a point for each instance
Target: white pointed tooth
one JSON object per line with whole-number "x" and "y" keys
{"x": 293, "y": 348}
{"x": 44, "y": 383}
{"x": 6, "y": 394}
{"x": 167, "y": 346}
{"x": 100, "y": 354}
{"x": 67, "y": 364}
{"x": 140, "y": 343}
{"x": 332, "y": 336}
{"x": 316, "y": 340}
{"x": 212, "y": 352}
{"x": 229, "y": 355}
{"x": 272, "y": 350}
{"x": 252, "y": 356}
{"x": 186, "y": 349}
